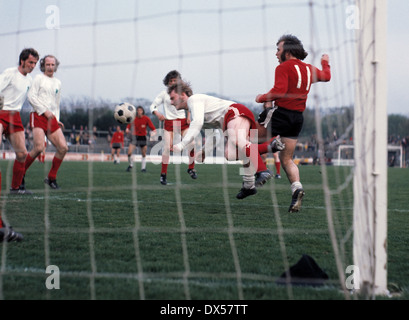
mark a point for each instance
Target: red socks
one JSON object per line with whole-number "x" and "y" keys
{"x": 52, "y": 175}
{"x": 28, "y": 162}
{"x": 253, "y": 152}
{"x": 165, "y": 163}
{"x": 192, "y": 159}
{"x": 278, "y": 166}
{"x": 18, "y": 174}
{"x": 263, "y": 147}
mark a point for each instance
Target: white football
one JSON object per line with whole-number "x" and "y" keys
{"x": 125, "y": 113}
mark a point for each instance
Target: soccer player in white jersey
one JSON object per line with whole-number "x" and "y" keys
{"x": 236, "y": 120}
{"x": 14, "y": 86}
{"x": 44, "y": 96}
{"x": 173, "y": 120}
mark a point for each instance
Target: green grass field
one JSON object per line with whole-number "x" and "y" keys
{"x": 120, "y": 235}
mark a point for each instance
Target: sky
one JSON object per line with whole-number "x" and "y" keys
{"x": 116, "y": 49}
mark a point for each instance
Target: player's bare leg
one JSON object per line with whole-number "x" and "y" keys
{"x": 292, "y": 172}
{"x": 277, "y": 164}
{"x": 131, "y": 149}
{"x": 118, "y": 155}
{"x": 38, "y": 143}
{"x": 37, "y": 150}
{"x": 191, "y": 153}
{"x": 58, "y": 140}
{"x": 239, "y": 146}
{"x": 168, "y": 142}
{"x": 143, "y": 151}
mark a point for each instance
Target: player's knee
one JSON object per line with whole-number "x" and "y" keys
{"x": 63, "y": 149}
{"x": 38, "y": 147}
{"x": 21, "y": 155}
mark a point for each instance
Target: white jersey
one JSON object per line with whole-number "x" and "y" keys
{"x": 14, "y": 87}
{"x": 45, "y": 94}
{"x": 206, "y": 112}
{"x": 169, "y": 110}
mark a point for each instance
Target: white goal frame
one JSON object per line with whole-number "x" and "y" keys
{"x": 341, "y": 161}
{"x": 370, "y": 153}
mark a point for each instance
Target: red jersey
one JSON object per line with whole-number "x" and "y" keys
{"x": 118, "y": 137}
{"x": 293, "y": 79}
{"x": 140, "y": 125}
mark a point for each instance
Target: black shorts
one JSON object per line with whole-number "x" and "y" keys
{"x": 283, "y": 122}
{"x": 139, "y": 141}
{"x": 116, "y": 145}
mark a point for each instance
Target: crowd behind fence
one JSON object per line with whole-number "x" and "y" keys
{"x": 82, "y": 140}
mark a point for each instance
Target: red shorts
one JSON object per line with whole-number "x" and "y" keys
{"x": 37, "y": 121}
{"x": 169, "y": 124}
{"x": 239, "y": 110}
{"x": 11, "y": 121}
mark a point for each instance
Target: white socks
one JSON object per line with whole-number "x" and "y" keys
{"x": 295, "y": 185}
{"x": 248, "y": 181}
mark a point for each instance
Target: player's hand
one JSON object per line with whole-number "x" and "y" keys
{"x": 160, "y": 116}
{"x": 268, "y": 104}
{"x": 325, "y": 57}
{"x": 258, "y": 98}
{"x": 61, "y": 124}
{"x": 153, "y": 135}
{"x": 176, "y": 148}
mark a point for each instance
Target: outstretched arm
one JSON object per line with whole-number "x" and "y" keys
{"x": 324, "y": 74}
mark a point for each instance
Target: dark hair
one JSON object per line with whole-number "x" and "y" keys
{"x": 181, "y": 87}
{"x": 26, "y": 53}
{"x": 171, "y": 75}
{"x": 293, "y": 46}
{"x": 42, "y": 63}
{"x": 140, "y": 107}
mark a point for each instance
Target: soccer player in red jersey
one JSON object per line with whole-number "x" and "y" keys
{"x": 138, "y": 131}
{"x": 293, "y": 79}
{"x": 117, "y": 142}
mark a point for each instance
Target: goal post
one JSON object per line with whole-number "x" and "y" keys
{"x": 345, "y": 156}
{"x": 370, "y": 150}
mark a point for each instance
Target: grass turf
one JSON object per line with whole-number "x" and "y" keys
{"x": 122, "y": 235}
